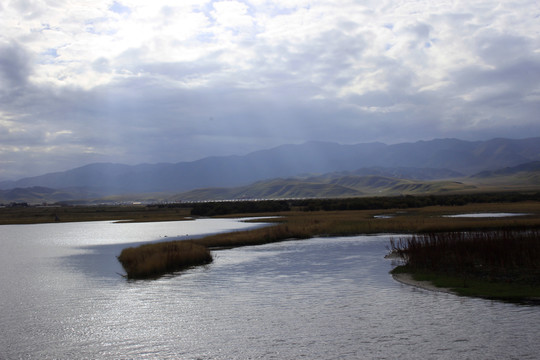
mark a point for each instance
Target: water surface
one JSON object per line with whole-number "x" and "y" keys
{"x": 329, "y": 298}
{"x": 485, "y": 215}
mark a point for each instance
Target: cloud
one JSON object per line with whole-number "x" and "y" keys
{"x": 15, "y": 66}
{"x": 232, "y": 14}
{"x": 159, "y": 81}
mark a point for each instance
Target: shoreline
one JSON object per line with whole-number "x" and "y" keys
{"x": 407, "y": 279}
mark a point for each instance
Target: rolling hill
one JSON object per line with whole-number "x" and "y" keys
{"x": 351, "y": 184}
{"x": 346, "y": 186}
{"x": 40, "y": 194}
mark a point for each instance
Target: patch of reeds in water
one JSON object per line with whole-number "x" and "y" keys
{"x": 153, "y": 260}
{"x": 500, "y": 256}
{"x": 302, "y": 225}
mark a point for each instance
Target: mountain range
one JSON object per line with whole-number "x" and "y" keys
{"x": 316, "y": 168}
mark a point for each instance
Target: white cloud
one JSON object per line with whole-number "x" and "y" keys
{"x": 138, "y": 81}
{"x": 232, "y": 14}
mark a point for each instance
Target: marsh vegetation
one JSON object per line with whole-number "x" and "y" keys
{"x": 431, "y": 219}
{"x": 501, "y": 264}
{"x": 153, "y": 260}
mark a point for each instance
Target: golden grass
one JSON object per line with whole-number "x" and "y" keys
{"x": 154, "y": 260}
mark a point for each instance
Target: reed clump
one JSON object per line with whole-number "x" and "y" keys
{"x": 154, "y": 260}
{"x": 508, "y": 256}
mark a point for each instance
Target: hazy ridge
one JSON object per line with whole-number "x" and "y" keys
{"x": 329, "y": 170}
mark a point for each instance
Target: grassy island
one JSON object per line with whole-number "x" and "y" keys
{"x": 153, "y": 260}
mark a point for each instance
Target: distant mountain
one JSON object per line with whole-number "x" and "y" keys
{"x": 444, "y": 157}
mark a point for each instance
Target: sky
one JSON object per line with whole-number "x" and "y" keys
{"x": 167, "y": 81}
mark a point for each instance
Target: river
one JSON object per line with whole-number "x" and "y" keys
{"x": 322, "y": 298}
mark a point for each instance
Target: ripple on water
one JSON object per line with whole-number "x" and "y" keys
{"x": 320, "y": 298}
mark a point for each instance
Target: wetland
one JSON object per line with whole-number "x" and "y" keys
{"x": 325, "y": 292}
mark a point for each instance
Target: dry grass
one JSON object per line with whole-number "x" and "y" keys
{"x": 153, "y": 260}
{"x": 502, "y": 264}
{"x": 504, "y": 255}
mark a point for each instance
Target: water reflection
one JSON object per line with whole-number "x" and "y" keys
{"x": 485, "y": 215}
{"x": 320, "y": 298}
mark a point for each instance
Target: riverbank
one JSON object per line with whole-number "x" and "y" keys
{"x": 408, "y": 279}
{"x": 511, "y": 295}
{"x": 522, "y": 293}
{"x": 57, "y": 213}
